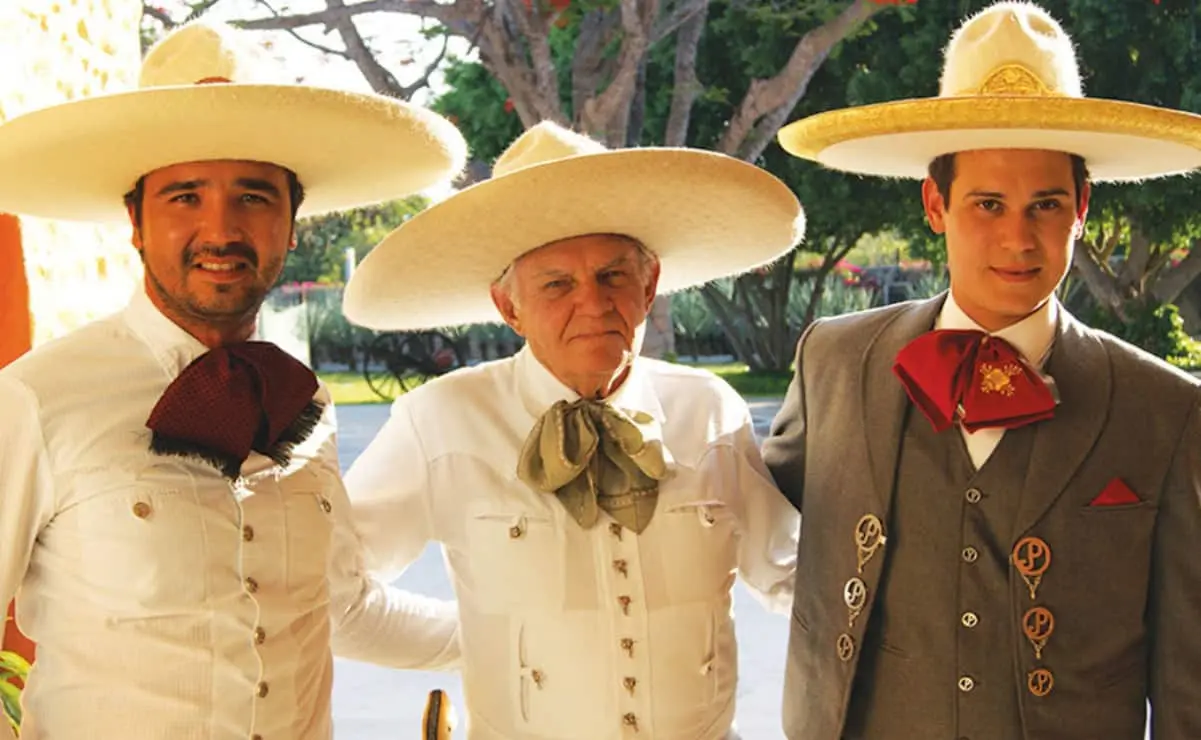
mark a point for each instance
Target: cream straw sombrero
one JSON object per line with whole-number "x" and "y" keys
{"x": 200, "y": 98}
{"x": 1009, "y": 81}
{"x": 704, "y": 214}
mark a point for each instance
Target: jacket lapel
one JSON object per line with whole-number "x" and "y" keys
{"x": 1079, "y": 364}
{"x": 884, "y": 399}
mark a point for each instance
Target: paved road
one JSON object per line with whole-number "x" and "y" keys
{"x": 372, "y": 703}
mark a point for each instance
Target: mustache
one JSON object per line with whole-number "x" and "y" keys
{"x": 241, "y": 250}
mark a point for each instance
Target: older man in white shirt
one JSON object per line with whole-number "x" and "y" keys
{"x": 170, "y": 504}
{"x": 593, "y": 506}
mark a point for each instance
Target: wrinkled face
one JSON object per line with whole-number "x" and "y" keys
{"x": 213, "y": 238}
{"x": 1010, "y": 223}
{"x": 580, "y": 303}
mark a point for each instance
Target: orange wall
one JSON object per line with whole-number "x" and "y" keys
{"x": 16, "y": 337}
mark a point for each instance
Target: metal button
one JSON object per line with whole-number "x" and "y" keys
{"x": 536, "y": 675}
{"x": 256, "y": 737}
{"x": 615, "y": 530}
{"x": 622, "y": 567}
{"x": 846, "y": 647}
{"x": 625, "y": 604}
{"x": 262, "y": 689}
{"x": 1040, "y": 681}
{"x": 973, "y": 495}
{"x": 966, "y": 684}
{"x": 630, "y": 682}
{"x": 970, "y": 555}
{"x": 630, "y": 720}
{"x": 627, "y": 645}
{"x": 247, "y": 533}
{"x": 515, "y": 531}
{"x": 969, "y": 619}
{"x": 141, "y": 510}
{"x": 260, "y": 635}
{"x": 326, "y": 506}
{"x": 251, "y": 585}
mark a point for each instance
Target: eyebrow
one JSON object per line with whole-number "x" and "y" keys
{"x": 553, "y": 272}
{"x": 1001, "y": 196}
{"x": 248, "y": 183}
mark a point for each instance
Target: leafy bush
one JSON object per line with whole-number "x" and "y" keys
{"x": 1155, "y": 328}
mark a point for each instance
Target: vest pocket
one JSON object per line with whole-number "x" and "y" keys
{"x": 516, "y": 561}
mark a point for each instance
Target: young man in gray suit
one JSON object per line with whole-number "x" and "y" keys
{"x": 985, "y": 552}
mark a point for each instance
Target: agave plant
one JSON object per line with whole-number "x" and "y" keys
{"x": 12, "y": 666}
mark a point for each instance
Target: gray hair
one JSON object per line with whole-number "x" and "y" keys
{"x": 646, "y": 258}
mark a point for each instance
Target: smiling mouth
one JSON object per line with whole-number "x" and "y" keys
{"x": 1017, "y": 273}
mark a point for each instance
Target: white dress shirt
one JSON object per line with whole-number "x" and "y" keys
{"x": 166, "y": 601}
{"x": 571, "y": 633}
{"x": 1032, "y": 336}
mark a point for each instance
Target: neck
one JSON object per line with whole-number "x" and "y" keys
{"x": 597, "y": 386}
{"x": 208, "y": 332}
{"x": 995, "y": 322}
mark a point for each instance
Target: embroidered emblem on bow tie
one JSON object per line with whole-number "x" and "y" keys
{"x": 996, "y": 378}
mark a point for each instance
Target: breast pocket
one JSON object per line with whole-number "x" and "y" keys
{"x": 309, "y": 511}
{"x": 516, "y": 559}
{"x": 702, "y": 539}
{"x": 144, "y": 542}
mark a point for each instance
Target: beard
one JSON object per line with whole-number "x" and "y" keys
{"x": 217, "y": 304}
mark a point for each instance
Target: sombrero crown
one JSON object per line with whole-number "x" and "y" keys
{"x": 201, "y": 97}
{"x": 1010, "y": 81}
{"x": 705, "y": 215}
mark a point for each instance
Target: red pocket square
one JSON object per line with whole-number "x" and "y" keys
{"x": 1116, "y": 493}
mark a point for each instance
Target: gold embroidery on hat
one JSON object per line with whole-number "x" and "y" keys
{"x": 1011, "y": 79}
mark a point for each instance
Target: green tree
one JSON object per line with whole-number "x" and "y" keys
{"x": 322, "y": 241}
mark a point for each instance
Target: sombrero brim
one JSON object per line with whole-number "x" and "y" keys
{"x": 1120, "y": 141}
{"x": 75, "y": 161}
{"x": 704, "y": 214}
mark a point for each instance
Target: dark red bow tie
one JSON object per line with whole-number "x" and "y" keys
{"x": 235, "y": 399}
{"x": 981, "y": 380}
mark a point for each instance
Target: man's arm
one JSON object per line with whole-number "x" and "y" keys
{"x": 26, "y": 490}
{"x": 1175, "y": 608}
{"x": 768, "y": 548}
{"x": 382, "y": 526}
{"x": 784, "y": 450}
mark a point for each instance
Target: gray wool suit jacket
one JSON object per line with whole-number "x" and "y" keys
{"x": 1127, "y": 585}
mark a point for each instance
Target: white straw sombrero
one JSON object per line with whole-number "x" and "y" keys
{"x": 704, "y": 214}
{"x": 1010, "y": 81}
{"x": 200, "y": 98}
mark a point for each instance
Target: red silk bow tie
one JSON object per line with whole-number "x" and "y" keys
{"x": 235, "y": 399}
{"x": 981, "y": 380}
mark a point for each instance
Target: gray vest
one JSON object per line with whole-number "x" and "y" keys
{"x": 937, "y": 657}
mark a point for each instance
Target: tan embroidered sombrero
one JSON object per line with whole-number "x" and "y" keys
{"x": 200, "y": 98}
{"x": 1010, "y": 81}
{"x": 704, "y": 214}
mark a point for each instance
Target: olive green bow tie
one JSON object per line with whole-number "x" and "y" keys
{"x": 594, "y": 457}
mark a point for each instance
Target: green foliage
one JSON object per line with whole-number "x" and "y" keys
{"x": 1157, "y": 329}
{"x": 322, "y": 241}
{"x": 12, "y": 667}
{"x": 475, "y": 102}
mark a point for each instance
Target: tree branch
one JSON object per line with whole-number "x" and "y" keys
{"x": 788, "y": 86}
{"x": 294, "y": 34}
{"x": 1138, "y": 256}
{"x": 430, "y": 68}
{"x": 687, "y": 87}
{"x": 588, "y": 65}
{"x": 536, "y": 28}
{"x": 159, "y": 15}
{"x": 449, "y": 14}
{"x": 1173, "y": 282}
{"x": 608, "y": 113}
{"x": 679, "y": 15}
{"x": 1099, "y": 284}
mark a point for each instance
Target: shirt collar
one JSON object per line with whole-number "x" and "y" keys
{"x": 172, "y": 347}
{"x": 540, "y": 389}
{"x": 1032, "y": 336}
